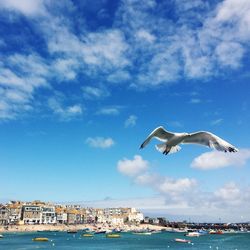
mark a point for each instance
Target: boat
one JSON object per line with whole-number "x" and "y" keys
{"x": 177, "y": 230}
{"x": 193, "y": 234}
{"x": 100, "y": 232}
{"x": 202, "y": 232}
{"x": 182, "y": 240}
{"x": 117, "y": 230}
{"x": 88, "y": 235}
{"x": 72, "y": 231}
{"x": 216, "y": 232}
{"x": 142, "y": 233}
{"x": 229, "y": 231}
{"x": 112, "y": 235}
{"x": 40, "y": 239}
{"x": 219, "y": 232}
{"x": 1, "y": 236}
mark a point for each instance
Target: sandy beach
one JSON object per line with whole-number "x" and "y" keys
{"x": 34, "y": 228}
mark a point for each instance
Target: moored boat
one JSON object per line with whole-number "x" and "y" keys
{"x": 112, "y": 235}
{"x": 40, "y": 239}
{"x": 1, "y": 236}
{"x": 193, "y": 234}
{"x": 100, "y": 232}
{"x": 216, "y": 232}
{"x": 203, "y": 232}
{"x": 142, "y": 233}
{"x": 182, "y": 240}
{"x": 72, "y": 231}
{"x": 88, "y": 235}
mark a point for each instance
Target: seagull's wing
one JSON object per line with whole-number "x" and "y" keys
{"x": 160, "y": 133}
{"x": 210, "y": 140}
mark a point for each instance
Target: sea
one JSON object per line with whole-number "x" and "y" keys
{"x": 127, "y": 241}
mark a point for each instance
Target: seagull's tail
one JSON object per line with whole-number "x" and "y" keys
{"x": 162, "y": 147}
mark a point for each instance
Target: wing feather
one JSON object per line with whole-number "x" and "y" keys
{"x": 210, "y": 140}
{"x": 160, "y": 133}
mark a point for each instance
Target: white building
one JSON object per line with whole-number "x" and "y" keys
{"x": 115, "y": 220}
{"x": 135, "y": 217}
{"x": 48, "y": 215}
{"x": 132, "y": 215}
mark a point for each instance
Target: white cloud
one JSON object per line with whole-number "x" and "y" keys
{"x": 27, "y": 7}
{"x": 131, "y": 121}
{"x": 138, "y": 170}
{"x": 132, "y": 167}
{"x": 195, "y": 100}
{"x": 197, "y": 64}
{"x": 90, "y": 92}
{"x": 65, "y": 112}
{"x": 65, "y": 68}
{"x": 75, "y": 109}
{"x": 217, "y": 122}
{"x": 16, "y": 96}
{"x": 31, "y": 64}
{"x": 162, "y": 69}
{"x": 231, "y": 196}
{"x": 119, "y": 76}
{"x": 20, "y": 77}
{"x": 102, "y": 51}
{"x": 100, "y": 142}
{"x": 108, "y": 111}
{"x": 229, "y": 192}
{"x": 216, "y": 159}
{"x": 105, "y": 49}
{"x": 237, "y": 13}
{"x": 172, "y": 188}
{"x": 229, "y": 54}
{"x": 144, "y": 35}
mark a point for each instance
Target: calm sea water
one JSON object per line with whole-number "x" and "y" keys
{"x": 128, "y": 241}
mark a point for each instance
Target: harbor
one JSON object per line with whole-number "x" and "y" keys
{"x": 125, "y": 240}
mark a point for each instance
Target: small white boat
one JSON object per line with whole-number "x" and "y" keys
{"x": 1, "y": 236}
{"x": 182, "y": 240}
{"x": 193, "y": 234}
{"x": 142, "y": 233}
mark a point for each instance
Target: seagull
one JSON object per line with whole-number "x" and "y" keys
{"x": 172, "y": 140}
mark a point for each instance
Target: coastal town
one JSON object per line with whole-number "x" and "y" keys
{"x": 47, "y": 216}
{"x": 44, "y": 213}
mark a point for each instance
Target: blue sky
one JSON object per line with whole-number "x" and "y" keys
{"x": 82, "y": 84}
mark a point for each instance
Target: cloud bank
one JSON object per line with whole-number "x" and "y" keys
{"x": 184, "y": 195}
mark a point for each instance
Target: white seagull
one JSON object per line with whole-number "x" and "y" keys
{"x": 172, "y": 140}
